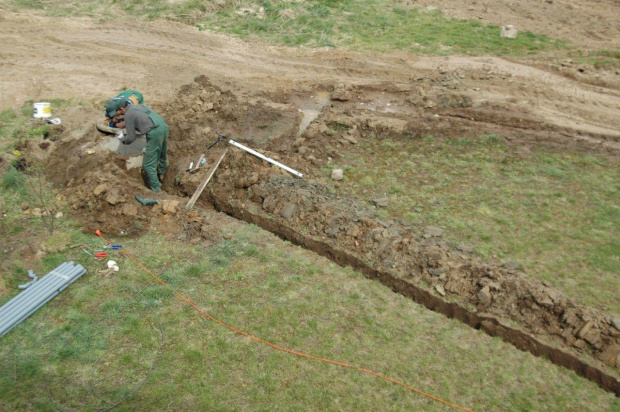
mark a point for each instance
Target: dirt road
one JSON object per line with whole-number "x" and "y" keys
{"x": 45, "y": 58}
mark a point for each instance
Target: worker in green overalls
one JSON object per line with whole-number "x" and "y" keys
{"x": 140, "y": 118}
{"x": 112, "y": 119}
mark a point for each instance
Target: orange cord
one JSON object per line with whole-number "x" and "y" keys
{"x": 273, "y": 345}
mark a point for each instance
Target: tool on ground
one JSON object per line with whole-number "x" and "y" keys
{"x": 219, "y": 139}
{"x": 112, "y": 267}
{"x": 202, "y": 160}
{"x": 113, "y": 247}
{"x": 97, "y": 255}
{"x": 106, "y": 272}
{"x": 204, "y": 182}
{"x": 255, "y": 153}
{"x": 146, "y": 202}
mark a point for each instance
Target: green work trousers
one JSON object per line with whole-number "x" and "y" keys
{"x": 155, "y": 159}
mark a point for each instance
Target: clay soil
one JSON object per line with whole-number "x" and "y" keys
{"x": 285, "y": 103}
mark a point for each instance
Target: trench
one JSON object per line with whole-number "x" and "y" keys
{"x": 226, "y": 200}
{"x": 490, "y": 325}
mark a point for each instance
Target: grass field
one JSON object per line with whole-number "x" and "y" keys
{"x": 105, "y": 340}
{"x": 126, "y": 341}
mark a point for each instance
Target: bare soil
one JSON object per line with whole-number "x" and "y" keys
{"x": 284, "y": 103}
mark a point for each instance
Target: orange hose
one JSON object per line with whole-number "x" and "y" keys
{"x": 280, "y": 348}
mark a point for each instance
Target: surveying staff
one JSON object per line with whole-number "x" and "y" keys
{"x": 140, "y": 118}
{"x": 131, "y": 96}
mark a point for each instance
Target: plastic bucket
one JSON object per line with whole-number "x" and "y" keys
{"x": 42, "y": 110}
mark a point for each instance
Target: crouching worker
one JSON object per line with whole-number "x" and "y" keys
{"x": 140, "y": 118}
{"x": 113, "y": 119}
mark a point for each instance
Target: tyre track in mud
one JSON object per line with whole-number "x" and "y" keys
{"x": 90, "y": 60}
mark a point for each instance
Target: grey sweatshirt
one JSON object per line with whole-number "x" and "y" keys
{"x": 136, "y": 122}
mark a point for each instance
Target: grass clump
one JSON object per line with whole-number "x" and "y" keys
{"x": 600, "y": 59}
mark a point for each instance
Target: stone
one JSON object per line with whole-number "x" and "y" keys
{"x": 170, "y": 206}
{"x": 102, "y": 188}
{"x": 341, "y": 94}
{"x": 269, "y": 204}
{"x": 589, "y": 332}
{"x": 440, "y": 289}
{"x": 494, "y": 286}
{"x": 206, "y": 131}
{"x": 465, "y": 249}
{"x": 289, "y": 210}
{"x": 114, "y": 197}
{"x": 350, "y": 139}
{"x": 436, "y": 272}
{"x": 432, "y": 231}
{"x": 332, "y": 231}
{"x": 129, "y": 209}
{"x": 509, "y": 32}
{"x": 381, "y": 201}
{"x": 337, "y": 174}
{"x": 484, "y": 295}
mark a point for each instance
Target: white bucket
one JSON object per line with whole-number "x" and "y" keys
{"x": 42, "y": 110}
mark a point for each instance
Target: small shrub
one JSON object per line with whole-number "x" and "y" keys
{"x": 13, "y": 180}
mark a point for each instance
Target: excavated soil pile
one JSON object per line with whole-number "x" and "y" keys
{"x": 498, "y": 298}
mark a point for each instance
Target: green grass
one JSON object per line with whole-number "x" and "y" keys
{"x": 127, "y": 340}
{"x": 373, "y": 25}
{"x": 556, "y": 213}
{"x": 600, "y": 59}
{"x": 370, "y": 25}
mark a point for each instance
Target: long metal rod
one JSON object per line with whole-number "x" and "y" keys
{"x": 255, "y": 153}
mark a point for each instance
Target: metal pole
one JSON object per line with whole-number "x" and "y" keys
{"x": 255, "y": 153}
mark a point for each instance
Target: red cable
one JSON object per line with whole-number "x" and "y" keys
{"x": 280, "y": 348}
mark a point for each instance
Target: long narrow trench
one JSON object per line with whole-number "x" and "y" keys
{"x": 488, "y": 324}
